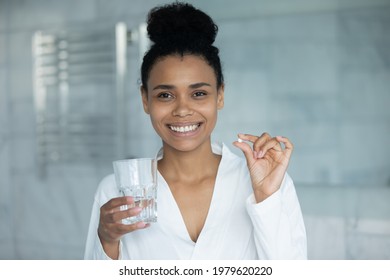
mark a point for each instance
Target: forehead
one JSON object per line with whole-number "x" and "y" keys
{"x": 181, "y": 70}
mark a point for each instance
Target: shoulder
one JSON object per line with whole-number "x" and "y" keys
{"x": 107, "y": 181}
{"x": 234, "y": 160}
{"x": 233, "y": 175}
{"x": 106, "y": 189}
{"x": 232, "y": 164}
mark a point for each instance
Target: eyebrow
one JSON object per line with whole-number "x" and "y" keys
{"x": 192, "y": 86}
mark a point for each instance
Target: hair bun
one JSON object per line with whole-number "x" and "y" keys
{"x": 180, "y": 22}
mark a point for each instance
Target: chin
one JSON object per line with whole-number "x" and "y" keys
{"x": 184, "y": 146}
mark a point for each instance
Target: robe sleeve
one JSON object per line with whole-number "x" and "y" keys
{"x": 94, "y": 249}
{"x": 279, "y": 229}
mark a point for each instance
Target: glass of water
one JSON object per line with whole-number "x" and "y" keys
{"x": 138, "y": 178}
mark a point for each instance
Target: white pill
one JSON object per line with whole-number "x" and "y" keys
{"x": 240, "y": 140}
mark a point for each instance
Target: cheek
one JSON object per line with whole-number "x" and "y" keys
{"x": 210, "y": 111}
{"x": 157, "y": 113}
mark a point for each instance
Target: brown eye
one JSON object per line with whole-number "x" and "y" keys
{"x": 165, "y": 95}
{"x": 199, "y": 94}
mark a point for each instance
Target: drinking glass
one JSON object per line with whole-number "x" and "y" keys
{"x": 138, "y": 178}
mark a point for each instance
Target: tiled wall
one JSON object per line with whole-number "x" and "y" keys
{"x": 317, "y": 74}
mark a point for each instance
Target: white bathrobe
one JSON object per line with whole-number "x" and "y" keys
{"x": 235, "y": 228}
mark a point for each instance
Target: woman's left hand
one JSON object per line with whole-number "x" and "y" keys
{"x": 267, "y": 162}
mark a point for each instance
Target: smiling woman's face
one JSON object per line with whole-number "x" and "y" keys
{"x": 182, "y": 100}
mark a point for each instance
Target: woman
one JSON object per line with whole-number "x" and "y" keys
{"x": 212, "y": 204}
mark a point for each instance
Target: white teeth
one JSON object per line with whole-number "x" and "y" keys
{"x": 186, "y": 128}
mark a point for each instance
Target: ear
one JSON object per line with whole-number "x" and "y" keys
{"x": 221, "y": 97}
{"x": 144, "y": 95}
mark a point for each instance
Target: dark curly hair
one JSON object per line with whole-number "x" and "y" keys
{"x": 181, "y": 29}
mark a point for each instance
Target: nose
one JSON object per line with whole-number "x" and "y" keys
{"x": 182, "y": 107}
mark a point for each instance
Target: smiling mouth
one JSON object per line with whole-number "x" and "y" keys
{"x": 184, "y": 128}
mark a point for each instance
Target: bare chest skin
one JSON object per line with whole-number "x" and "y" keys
{"x": 192, "y": 187}
{"x": 193, "y": 200}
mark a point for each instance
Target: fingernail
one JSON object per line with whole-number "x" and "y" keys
{"x": 260, "y": 154}
{"x": 141, "y": 225}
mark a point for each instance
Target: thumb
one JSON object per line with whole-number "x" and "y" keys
{"x": 247, "y": 150}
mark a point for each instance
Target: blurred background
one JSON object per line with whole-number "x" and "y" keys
{"x": 313, "y": 70}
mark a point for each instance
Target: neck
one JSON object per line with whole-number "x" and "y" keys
{"x": 189, "y": 165}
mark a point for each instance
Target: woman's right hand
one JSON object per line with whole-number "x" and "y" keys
{"x": 111, "y": 229}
